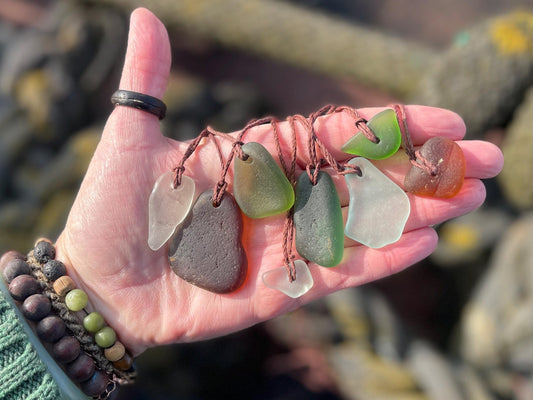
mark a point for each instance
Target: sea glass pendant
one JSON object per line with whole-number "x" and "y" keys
{"x": 449, "y": 160}
{"x": 206, "y": 250}
{"x": 318, "y": 223}
{"x": 385, "y": 126}
{"x": 168, "y": 207}
{"x": 378, "y": 208}
{"x": 260, "y": 186}
{"x": 277, "y": 279}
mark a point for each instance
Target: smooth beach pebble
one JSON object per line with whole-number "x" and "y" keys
{"x": 448, "y": 158}
{"x": 207, "y": 250}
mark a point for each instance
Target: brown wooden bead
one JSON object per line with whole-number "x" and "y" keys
{"x": 10, "y": 255}
{"x": 23, "y": 286}
{"x": 66, "y": 349}
{"x": 63, "y": 285}
{"x": 95, "y": 385}
{"x": 50, "y": 329}
{"x": 82, "y": 368}
{"x": 15, "y": 267}
{"x": 36, "y": 307}
{"x": 115, "y": 352}
{"x": 124, "y": 363}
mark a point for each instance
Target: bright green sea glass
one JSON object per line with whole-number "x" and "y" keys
{"x": 385, "y": 127}
{"x": 318, "y": 224}
{"x": 260, "y": 187}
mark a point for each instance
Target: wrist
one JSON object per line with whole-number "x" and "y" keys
{"x": 98, "y": 361}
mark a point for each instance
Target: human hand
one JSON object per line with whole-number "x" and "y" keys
{"x": 104, "y": 243}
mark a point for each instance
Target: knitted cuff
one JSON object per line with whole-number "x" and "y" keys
{"x": 22, "y": 373}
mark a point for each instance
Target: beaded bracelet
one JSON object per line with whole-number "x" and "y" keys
{"x": 91, "y": 355}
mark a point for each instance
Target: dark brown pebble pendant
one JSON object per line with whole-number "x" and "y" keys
{"x": 207, "y": 250}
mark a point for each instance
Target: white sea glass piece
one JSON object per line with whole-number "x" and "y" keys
{"x": 378, "y": 207}
{"x": 277, "y": 279}
{"x": 168, "y": 207}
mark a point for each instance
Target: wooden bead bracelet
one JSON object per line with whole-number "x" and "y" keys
{"x": 91, "y": 355}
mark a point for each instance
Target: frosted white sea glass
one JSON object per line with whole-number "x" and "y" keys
{"x": 378, "y": 207}
{"x": 277, "y": 279}
{"x": 168, "y": 207}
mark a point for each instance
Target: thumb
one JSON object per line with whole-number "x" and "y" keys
{"x": 146, "y": 70}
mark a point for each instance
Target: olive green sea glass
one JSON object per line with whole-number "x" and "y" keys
{"x": 318, "y": 224}
{"x": 260, "y": 187}
{"x": 385, "y": 126}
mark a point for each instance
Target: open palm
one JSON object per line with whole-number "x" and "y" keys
{"x": 104, "y": 242}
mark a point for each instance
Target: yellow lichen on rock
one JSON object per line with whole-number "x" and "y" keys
{"x": 513, "y": 34}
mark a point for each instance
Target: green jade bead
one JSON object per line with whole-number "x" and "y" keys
{"x": 318, "y": 223}
{"x": 260, "y": 187}
{"x": 76, "y": 300}
{"x": 385, "y": 126}
{"x": 93, "y": 322}
{"x": 105, "y": 337}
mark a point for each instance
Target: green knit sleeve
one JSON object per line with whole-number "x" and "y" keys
{"x": 22, "y": 373}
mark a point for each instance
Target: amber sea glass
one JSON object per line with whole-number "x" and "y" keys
{"x": 448, "y": 158}
{"x": 260, "y": 186}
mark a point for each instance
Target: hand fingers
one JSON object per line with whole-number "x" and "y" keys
{"x": 146, "y": 70}
{"x": 335, "y": 129}
{"x": 423, "y": 123}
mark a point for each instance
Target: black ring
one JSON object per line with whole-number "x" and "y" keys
{"x": 140, "y": 101}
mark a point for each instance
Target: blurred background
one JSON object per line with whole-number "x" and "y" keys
{"x": 458, "y": 325}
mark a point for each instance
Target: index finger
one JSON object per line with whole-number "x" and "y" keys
{"x": 423, "y": 123}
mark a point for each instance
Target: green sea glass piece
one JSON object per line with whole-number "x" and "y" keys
{"x": 385, "y": 127}
{"x": 260, "y": 187}
{"x": 378, "y": 207}
{"x": 277, "y": 279}
{"x": 318, "y": 224}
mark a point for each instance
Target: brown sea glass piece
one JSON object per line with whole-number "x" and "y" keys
{"x": 441, "y": 171}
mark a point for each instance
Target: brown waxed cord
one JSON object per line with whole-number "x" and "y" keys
{"x": 415, "y": 158}
{"x": 312, "y": 168}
